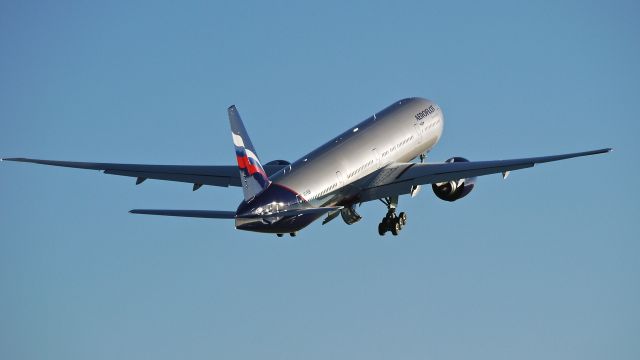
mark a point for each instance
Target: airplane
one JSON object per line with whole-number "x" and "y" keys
{"x": 369, "y": 161}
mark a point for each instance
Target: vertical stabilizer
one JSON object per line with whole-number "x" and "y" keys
{"x": 252, "y": 175}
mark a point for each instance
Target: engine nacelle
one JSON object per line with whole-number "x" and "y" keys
{"x": 454, "y": 190}
{"x": 278, "y": 162}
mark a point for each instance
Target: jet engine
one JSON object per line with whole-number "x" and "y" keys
{"x": 278, "y": 162}
{"x": 276, "y": 165}
{"x": 456, "y": 189}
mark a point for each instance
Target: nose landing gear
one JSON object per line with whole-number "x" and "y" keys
{"x": 392, "y": 222}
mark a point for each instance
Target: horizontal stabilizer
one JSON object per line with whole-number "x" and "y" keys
{"x": 211, "y": 214}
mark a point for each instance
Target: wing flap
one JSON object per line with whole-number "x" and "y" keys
{"x": 187, "y": 178}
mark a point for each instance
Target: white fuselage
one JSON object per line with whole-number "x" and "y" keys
{"x": 398, "y": 133}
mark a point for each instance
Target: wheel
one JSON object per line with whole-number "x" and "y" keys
{"x": 395, "y": 228}
{"x": 382, "y": 228}
{"x": 403, "y": 218}
{"x": 292, "y": 234}
{"x": 279, "y": 235}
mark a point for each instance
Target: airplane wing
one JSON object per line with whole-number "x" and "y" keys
{"x": 399, "y": 178}
{"x": 221, "y": 175}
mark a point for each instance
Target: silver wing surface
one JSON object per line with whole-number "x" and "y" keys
{"x": 400, "y": 178}
{"x": 221, "y": 175}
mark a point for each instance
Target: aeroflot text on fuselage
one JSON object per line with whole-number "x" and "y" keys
{"x": 426, "y": 112}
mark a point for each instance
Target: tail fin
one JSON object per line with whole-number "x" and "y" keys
{"x": 252, "y": 175}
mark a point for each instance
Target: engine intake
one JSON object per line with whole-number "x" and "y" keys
{"x": 456, "y": 189}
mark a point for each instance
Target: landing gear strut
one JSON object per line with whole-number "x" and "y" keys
{"x": 392, "y": 222}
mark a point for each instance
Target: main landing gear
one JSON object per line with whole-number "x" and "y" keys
{"x": 392, "y": 222}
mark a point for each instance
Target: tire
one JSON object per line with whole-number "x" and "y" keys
{"x": 395, "y": 228}
{"x": 382, "y": 228}
{"x": 403, "y": 218}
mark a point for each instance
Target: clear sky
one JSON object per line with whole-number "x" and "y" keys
{"x": 544, "y": 265}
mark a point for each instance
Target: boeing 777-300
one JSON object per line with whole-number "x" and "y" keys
{"x": 369, "y": 161}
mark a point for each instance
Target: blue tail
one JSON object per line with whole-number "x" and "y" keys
{"x": 252, "y": 175}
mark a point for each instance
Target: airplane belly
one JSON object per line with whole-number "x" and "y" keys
{"x": 288, "y": 224}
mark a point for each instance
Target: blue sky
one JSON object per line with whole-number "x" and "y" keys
{"x": 543, "y": 265}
